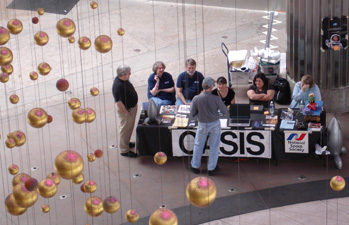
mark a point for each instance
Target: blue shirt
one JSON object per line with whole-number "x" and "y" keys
{"x": 191, "y": 86}
{"x": 166, "y": 81}
{"x": 298, "y": 94}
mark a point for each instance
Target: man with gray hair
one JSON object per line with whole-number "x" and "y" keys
{"x": 126, "y": 100}
{"x": 205, "y": 106}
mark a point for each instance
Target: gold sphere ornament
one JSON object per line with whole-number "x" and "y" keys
{"x": 5, "y": 56}
{"x": 13, "y": 169}
{"x": 15, "y": 26}
{"x": 111, "y": 204}
{"x": 33, "y": 75}
{"x": 41, "y": 38}
{"x": 10, "y": 143}
{"x": 121, "y": 31}
{"x": 163, "y": 216}
{"x": 45, "y": 208}
{"x": 78, "y": 179}
{"x": 90, "y": 186}
{"x": 31, "y": 184}
{"x": 91, "y": 157}
{"x": 62, "y": 84}
{"x": 84, "y": 43}
{"x": 14, "y": 99}
{"x": 94, "y": 91}
{"x": 37, "y": 117}
{"x": 40, "y": 11}
{"x": 65, "y": 27}
{"x": 99, "y": 153}
{"x": 160, "y": 158}
{"x": 132, "y": 216}
{"x": 12, "y": 207}
{"x": 44, "y": 68}
{"x": 7, "y": 69}
{"x": 47, "y": 188}
{"x": 103, "y": 44}
{"x": 79, "y": 115}
{"x": 201, "y": 191}
{"x": 55, "y": 177}
{"x": 19, "y": 138}
{"x": 90, "y": 115}
{"x": 4, "y": 77}
{"x": 94, "y": 206}
{"x": 94, "y": 5}
{"x": 4, "y": 35}
{"x": 71, "y": 39}
{"x": 69, "y": 164}
{"x": 74, "y": 103}
{"x": 337, "y": 183}
{"x": 20, "y": 178}
{"x": 23, "y": 197}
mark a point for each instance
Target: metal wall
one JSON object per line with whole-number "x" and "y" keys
{"x": 329, "y": 68}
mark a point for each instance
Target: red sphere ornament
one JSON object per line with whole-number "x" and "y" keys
{"x": 62, "y": 84}
{"x": 82, "y": 188}
{"x": 35, "y": 20}
{"x": 31, "y": 184}
{"x": 99, "y": 153}
{"x": 49, "y": 119}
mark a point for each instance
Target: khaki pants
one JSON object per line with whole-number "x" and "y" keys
{"x": 126, "y": 124}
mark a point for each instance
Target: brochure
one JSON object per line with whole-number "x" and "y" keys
{"x": 184, "y": 109}
{"x": 168, "y": 109}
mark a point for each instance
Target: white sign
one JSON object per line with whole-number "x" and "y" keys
{"x": 234, "y": 143}
{"x": 296, "y": 142}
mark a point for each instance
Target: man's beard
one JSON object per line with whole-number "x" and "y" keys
{"x": 191, "y": 73}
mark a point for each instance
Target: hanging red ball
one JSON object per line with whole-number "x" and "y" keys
{"x": 98, "y": 153}
{"x": 31, "y": 184}
{"x": 62, "y": 84}
{"x": 49, "y": 119}
{"x": 82, "y": 187}
{"x": 35, "y": 20}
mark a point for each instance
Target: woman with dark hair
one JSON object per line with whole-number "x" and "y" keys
{"x": 227, "y": 94}
{"x": 260, "y": 93}
{"x": 302, "y": 89}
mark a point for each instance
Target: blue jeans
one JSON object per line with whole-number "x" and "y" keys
{"x": 213, "y": 131}
{"x": 160, "y": 102}
{"x": 179, "y": 101}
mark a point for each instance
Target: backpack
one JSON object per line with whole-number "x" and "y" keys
{"x": 282, "y": 91}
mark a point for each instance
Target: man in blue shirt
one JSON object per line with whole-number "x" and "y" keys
{"x": 189, "y": 83}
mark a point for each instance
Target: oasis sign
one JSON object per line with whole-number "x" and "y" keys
{"x": 234, "y": 143}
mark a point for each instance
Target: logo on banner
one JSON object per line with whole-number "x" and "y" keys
{"x": 296, "y": 142}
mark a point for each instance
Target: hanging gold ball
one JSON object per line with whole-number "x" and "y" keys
{"x": 99, "y": 153}
{"x": 90, "y": 186}
{"x": 13, "y": 169}
{"x": 71, "y": 39}
{"x": 40, "y": 11}
{"x": 132, "y": 216}
{"x": 79, "y": 115}
{"x": 55, "y": 177}
{"x": 65, "y": 27}
{"x": 14, "y": 99}
{"x": 33, "y": 75}
{"x": 20, "y": 178}
{"x": 69, "y": 164}
{"x": 94, "y": 206}
{"x": 19, "y": 138}
{"x": 160, "y": 158}
{"x": 91, "y": 157}
{"x": 47, "y": 188}
{"x": 84, "y": 43}
{"x": 4, "y": 35}
{"x": 15, "y": 26}
{"x": 10, "y": 143}
{"x": 90, "y": 115}
{"x": 94, "y": 91}
{"x": 44, "y": 68}
{"x": 103, "y": 44}
{"x": 23, "y": 197}
{"x": 7, "y": 69}
{"x": 45, "y": 208}
{"x": 121, "y": 31}
{"x": 74, "y": 103}
{"x": 4, "y": 77}
{"x": 5, "y": 56}
{"x": 41, "y": 38}
{"x": 111, "y": 204}
{"x": 37, "y": 117}
{"x": 12, "y": 207}
{"x": 337, "y": 183}
{"x": 78, "y": 179}
{"x": 163, "y": 216}
{"x": 201, "y": 191}
{"x": 94, "y": 5}
{"x": 62, "y": 84}
{"x": 31, "y": 184}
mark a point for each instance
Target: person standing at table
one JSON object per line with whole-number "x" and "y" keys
{"x": 205, "y": 106}
{"x": 302, "y": 89}
{"x": 260, "y": 92}
{"x": 161, "y": 86}
{"x": 227, "y": 94}
{"x": 126, "y": 100}
{"x": 189, "y": 83}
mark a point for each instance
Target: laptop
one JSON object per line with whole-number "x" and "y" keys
{"x": 240, "y": 115}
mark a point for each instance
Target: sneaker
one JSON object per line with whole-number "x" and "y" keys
{"x": 192, "y": 169}
{"x": 129, "y": 154}
{"x": 213, "y": 172}
{"x": 131, "y": 144}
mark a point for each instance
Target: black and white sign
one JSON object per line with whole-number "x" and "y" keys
{"x": 296, "y": 142}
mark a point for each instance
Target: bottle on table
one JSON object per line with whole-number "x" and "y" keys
{"x": 301, "y": 105}
{"x": 271, "y": 108}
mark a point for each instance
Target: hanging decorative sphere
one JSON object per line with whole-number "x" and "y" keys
{"x": 20, "y": 178}
{"x": 82, "y": 188}
{"x": 71, "y": 39}
{"x": 47, "y": 188}
{"x": 84, "y": 43}
{"x": 4, "y": 35}
{"x": 103, "y": 44}
{"x": 163, "y": 216}
{"x": 14, "y": 99}
{"x": 74, "y": 103}
{"x": 69, "y": 164}
{"x": 40, "y": 11}
{"x": 45, "y": 208}
{"x": 12, "y": 207}
{"x": 33, "y": 75}
{"x": 99, "y": 153}
{"x": 62, "y": 84}
{"x": 37, "y": 117}
{"x": 121, "y": 31}
{"x": 78, "y": 179}
{"x": 10, "y": 143}
{"x": 337, "y": 183}
{"x": 55, "y": 177}
{"x": 13, "y": 169}
{"x": 5, "y": 56}
{"x": 23, "y": 197}
{"x": 79, "y": 115}
{"x": 160, "y": 158}
{"x": 111, "y": 204}
{"x": 4, "y": 77}
{"x": 41, "y": 38}
{"x": 90, "y": 186}
{"x": 49, "y": 119}
{"x": 94, "y": 91}
{"x": 44, "y": 68}
{"x": 35, "y": 20}
{"x": 65, "y": 27}
{"x": 19, "y": 138}
{"x": 91, "y": 157}
{"x": 15, "y": 26}
{"x": 201, "y": 191}
{"x": 94, "y": 206}
{"x": 132, "y": 216}
{"x": 90, "y": 115}
{"x": 94, "y": 5}
{"x": 7, "y": 69}
{"x": 31, "y": 184}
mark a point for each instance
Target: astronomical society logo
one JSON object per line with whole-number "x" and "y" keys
{"x": 296, "y": 142}
{"x": 295, "y": 137}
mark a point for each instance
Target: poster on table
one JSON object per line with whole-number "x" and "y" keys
{"x": 234, "y": 143}
{"x": 296, "y": 142}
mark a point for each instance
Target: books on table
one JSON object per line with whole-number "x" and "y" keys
{"x": 287, "y": 124}
{"x": 167, "y": 119}
{"x": 180, "y": 122}
{"x": 314, "y": 126}
{"x": 270, "y": 121}
{"x": 168, "y": 109}
{"x": 184, "y": 109}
